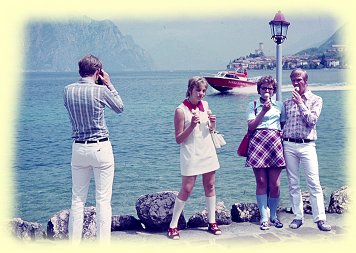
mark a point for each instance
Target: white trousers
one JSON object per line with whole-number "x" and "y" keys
{"x": 89, "y": 159}
{"x": 303, "y": 155}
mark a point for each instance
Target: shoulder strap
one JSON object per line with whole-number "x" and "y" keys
{"x": 254, "y": 107}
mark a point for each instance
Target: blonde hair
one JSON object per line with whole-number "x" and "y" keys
{"x": 195, "y": 81}
{"x": 299, "y": 72}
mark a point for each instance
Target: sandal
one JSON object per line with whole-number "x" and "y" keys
{"x": 323, "y": 226}
{"x": 296, "y": 223}
{"x": 264, "y": 225}
{"x": 214, "y": 229}
{"x": 173, "y": 233}
{"x": 277, "y": 223}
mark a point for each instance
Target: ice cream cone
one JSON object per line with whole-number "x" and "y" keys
{"x": 266, "y": 96}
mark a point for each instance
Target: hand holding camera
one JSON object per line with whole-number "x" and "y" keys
{"x": 103, "y": 78}
{"x": 100, "y": 81}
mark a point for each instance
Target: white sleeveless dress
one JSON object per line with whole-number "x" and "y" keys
{"x": 197, "y": 152}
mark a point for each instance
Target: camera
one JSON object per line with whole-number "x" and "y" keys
{"x": 100, "y": 81}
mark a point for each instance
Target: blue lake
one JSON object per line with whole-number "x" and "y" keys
{"x": 146, "y": 155}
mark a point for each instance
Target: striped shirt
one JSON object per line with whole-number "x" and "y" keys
{"x": 301, "y": 120}
{"x": 85, "y": 102}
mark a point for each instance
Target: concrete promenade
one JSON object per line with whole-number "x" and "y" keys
{"x": 248, "y": 234}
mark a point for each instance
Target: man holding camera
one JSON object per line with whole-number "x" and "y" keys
{"x": 92, "y": 152}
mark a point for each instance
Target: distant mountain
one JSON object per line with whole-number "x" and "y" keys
{"x": 335, "y": 39}
{"x": 58, "y": 46}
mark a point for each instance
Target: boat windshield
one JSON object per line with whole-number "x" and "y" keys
{"x": 231, "y": 75}
{"x": 222, "y": 73}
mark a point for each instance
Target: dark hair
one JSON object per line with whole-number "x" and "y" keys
{"x": 88, "y": 65}
{"x": 267, "y": 80}
{"x": 299, "y": 72}
{"x": 195, "y": 81}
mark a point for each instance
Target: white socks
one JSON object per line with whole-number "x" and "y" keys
{"x": 211, "y": 206}
{"x": 179, "y": 206}
{"x": 177, "y": 210}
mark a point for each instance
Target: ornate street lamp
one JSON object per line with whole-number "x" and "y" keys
{"x": 279, "y": 27}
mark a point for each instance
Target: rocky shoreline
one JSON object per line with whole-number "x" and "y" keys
{"x": 154, "y": 212}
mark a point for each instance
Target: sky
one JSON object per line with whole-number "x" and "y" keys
{"x": 210, "y": 42}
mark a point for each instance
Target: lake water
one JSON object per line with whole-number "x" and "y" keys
{"x": 146, "y": 155}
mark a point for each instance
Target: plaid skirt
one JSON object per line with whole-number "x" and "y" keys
{"x": 265, "y": 149}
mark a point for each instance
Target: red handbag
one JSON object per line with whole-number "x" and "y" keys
{"x": 243, "y": 147}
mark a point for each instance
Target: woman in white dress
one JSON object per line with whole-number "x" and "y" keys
{"x": 193, "y": 122}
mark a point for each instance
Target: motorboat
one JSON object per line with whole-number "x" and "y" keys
{"x": 227, "y": 80}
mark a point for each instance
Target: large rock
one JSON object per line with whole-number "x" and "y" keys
{"x": 306, "y": 203}
{"x": 155, "y": 211}
{"x": 340, "y": 201}
{"x": 25, "y": 230}
{"x": 125, "y": 222}
{"x": 242, "y": 212}
{"x": 200, "y": 219}
{"x": 57, "y": 226}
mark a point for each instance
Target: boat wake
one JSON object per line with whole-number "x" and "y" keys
{"x": 286, "y": 88}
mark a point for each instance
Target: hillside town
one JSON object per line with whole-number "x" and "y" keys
{"x": 333, "y": 57}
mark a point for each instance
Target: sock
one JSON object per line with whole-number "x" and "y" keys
{"x": 262, "y": 206}
{"x": 177, "y": 210}
{"x": 273, "y": 205}
{"x": 211, "y": 206}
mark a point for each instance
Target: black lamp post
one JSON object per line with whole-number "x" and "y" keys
{"x": 279, "y": 27}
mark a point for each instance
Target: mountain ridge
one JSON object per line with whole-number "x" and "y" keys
{"x": 335, "y": 39}
{"x": 58, "y": 46}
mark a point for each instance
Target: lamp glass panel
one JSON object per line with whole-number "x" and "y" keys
{"x": 284, "y": 30}
{"x": 278, "y": 29}
{"x": 272, "y": 29}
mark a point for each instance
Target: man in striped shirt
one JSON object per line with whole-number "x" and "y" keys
{"x": 299, "y": 135}
{"x": 92, "y": 152}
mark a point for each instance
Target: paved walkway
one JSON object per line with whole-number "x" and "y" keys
{"x": 247, "y": 234}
